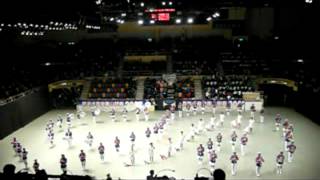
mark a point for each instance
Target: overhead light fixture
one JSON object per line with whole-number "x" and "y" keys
{"x": 170, "y": 3}
{"x": 152, "y": 21}
{"x": 142, "y": 4}
{"x": 123, "y": 14}
{"x": 178, "y": 21}
{"x": 190, "y": 20}
{"x": 209, "y": 18}
{"x": 140, "y": 22}
{"x": 163, "y": 3}
{"x": 300, "y": 60}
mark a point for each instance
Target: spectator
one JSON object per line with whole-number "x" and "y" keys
{"x": 219, "y": 174}
{"x": 109, "y": 177}
{"x": 151, "y": 175}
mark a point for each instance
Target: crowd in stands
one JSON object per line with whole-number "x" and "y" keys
{"x": 161, "y": 89}
{"x": 112, "y": 88}
{"x": 229, "y": 87}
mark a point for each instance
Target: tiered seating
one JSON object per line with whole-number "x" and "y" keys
{"x": 185, "y": 88}
{"x": 226, "y": 87}
{"x": 112, "y": 88}
{"x": 160, "y": 89}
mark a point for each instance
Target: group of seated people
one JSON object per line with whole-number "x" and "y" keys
{"x": 226, "y": 87}
{"x": 161, "y": 89}
{"x": 112, "y": 88}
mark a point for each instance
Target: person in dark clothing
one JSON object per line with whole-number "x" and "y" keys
{"x": 219, "y": 174}
{"x": 151, "y": 175}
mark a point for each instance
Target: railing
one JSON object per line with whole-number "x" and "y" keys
{"x": 17, "y": 96}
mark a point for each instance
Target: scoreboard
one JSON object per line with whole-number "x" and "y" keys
{"x": 161, "y": 14}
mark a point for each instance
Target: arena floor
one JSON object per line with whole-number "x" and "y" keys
{"x": 264, "y": 139}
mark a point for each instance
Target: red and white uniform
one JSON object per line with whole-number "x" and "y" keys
{"x": 148, "y": 133}
{"x": 234, "y": 159}
{"x": 244, "y": 141}
{"x": 291, "y": 149}
{"x": 101, "y": 152}
{"x": 138, "y": 114}
{"x": 212, "y": 160}
{"x": 280, "y": 160}
{"x": 117, "y": 144}
{"x": 210, "y": 145}
{"x": 233, "y": 140}
{"x": 259, "y": 161}
{"x": 63, "y": 163}
{"x": 82, "y": 157}
{"x": 219, "y": 140}
{"x": 146, "y": 113}
{"x": 200, "y": 153}
{"x": 277, "y": 121}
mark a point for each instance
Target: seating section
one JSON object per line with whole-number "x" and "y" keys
{"x": 160, "y": 89}
{"x": 226, "y": 87}
{"x": 112, "y": 88}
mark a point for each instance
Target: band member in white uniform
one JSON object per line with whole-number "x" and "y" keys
{"x": 117, "y": 143}
{"x": 228, "y": 108}
{"x": 244, "y": 141}
{"x": 212, "y": 160}
{"x": 211, "y": 125}
{"x": 188, "y": 109}
{"x": 172, "y": 112}
{"x": 146, "y": 114}
{"x": 280, "y": 160}
{"x": 259, "y": 161}
{"x": 132, "y": 158}
{"x": 82, "y": 157}
{"x": 68, "y": 137}
{"x": 101, "y": 151}
{"x": 262, "y": 115}
{"x": 219, "y": 141}
{"x": 36, "y": 166}
{"x": 63, "y": 163}
{"x": 200, "y": 126}
{"x": 151, "y": 153}
{"x": 252, "y": 110}
{"x": 192, "y": 132}
{"x": 24, "y": 155}
{"x": 51, "y": 137}
{"x": 200, "y": 153}
{"x": 214, "y": 106}
{"x": 288, "y": 137}
{"x": 138, "y": 113}
{"x": 180, "y": 109}
{"x": 277, "y": 121}
{"x": 291, "y": 149}
{"x": 148, "y": 134}
{"x": 113, "y": 114}
{"x": 59, "y": 121}
{"x": 233, "y": 140}
{"x": 234, "y": 159}
{"x": 195, "y": 108}
{"x": 89, "y": 139}
{"x": 210, "y": 145}
{"x": 203, "y": 107}
{"x": 170, "y": 147}
{"x": 125, "y": 114}
{"x": 181, "y": 141}
{"x": 222, "y": 118}
{"x": 239, "y": 117}
{"x": 251, "y": 122}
